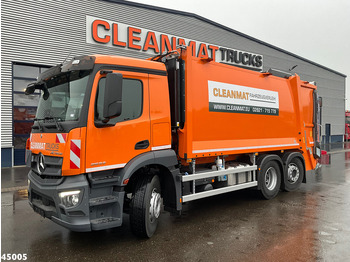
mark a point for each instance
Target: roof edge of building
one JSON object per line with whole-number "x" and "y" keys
{"x": 162, "y": 9}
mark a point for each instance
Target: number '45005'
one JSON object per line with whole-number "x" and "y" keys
{"x": 14, "y": 257}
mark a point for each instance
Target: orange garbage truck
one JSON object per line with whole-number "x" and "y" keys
{"x": 116, "y": 135}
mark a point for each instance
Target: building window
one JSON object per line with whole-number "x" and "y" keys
{"x": 24, "y": 107}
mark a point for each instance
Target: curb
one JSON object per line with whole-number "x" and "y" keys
{"x": 9, "y": 189}
{"x": 339, "y": 151}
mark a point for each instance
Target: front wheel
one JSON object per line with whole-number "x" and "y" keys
{"x": 145, "y": 206}
{"x": 269, "y": 179}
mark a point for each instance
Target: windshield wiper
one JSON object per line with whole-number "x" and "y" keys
{"x": 55, "y": 119}
{"x": 39, "y": 125}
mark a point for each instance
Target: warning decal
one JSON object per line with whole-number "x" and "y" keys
{"x": 75, "y": 147}
{"x": 231, "y": 98}
{"x": 61, "y": 138}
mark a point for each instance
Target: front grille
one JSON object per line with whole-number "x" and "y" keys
{"x": 47, "y": 177}
{"x": 44, "y": 200}
{"x": 53, "y": 167}
{"x": 42, "y": 204}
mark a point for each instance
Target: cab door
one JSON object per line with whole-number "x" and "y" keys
{"x": 128, "y": 135}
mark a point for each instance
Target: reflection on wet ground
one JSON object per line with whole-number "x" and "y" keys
{"x": 334, "y": 209}
{"x": 311, "y": 224}
{"x": 14, "y": 177}
{"x": 19, "y": 195}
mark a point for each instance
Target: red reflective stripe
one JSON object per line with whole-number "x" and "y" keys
{"x": 75, "y": 149}
{"x": 75, "y": 154}
{"x": 73, "y": 166}
{"x": 61, "y": 138}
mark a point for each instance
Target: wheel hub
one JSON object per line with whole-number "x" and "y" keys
{"x": 293, "y": 173}
{"x": 271, "y": 178}
{"x": 155, "y": 203}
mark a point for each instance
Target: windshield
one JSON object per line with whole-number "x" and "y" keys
{"x": 66, "y": 97}
{"x": 347, "y": 119}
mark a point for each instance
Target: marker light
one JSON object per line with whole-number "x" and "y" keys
{"x": 70, "y": 198}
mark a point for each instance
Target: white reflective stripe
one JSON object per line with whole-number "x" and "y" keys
{"x": 161, "y": 147}
{"x": 240, "y": 148}
{"x": 75, "y": 159}
{"x": 60, "y": 138}
{"x": 311, "y": 143}
{"x": 77, "y": 143}
{"x": 73, "y": 155}
{"x": 100, "y": 168}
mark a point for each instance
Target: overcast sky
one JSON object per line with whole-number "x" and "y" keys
{"x": 318, "y": 30}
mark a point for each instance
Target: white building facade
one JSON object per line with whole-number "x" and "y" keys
{"x": 40, "y": 34}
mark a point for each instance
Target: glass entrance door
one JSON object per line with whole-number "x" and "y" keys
{"x": 24, "y": 107}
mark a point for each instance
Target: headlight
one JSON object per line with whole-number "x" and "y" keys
{"x": 28, "y": 183}
{"x": 70, "y": 198}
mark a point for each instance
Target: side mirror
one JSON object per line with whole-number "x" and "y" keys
{"x": 113, "y": 96}
{"x": 30, "y": 89}
{"x": 42, "y": 86}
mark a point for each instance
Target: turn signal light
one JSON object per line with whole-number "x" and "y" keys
{"x": 28, "y": 144}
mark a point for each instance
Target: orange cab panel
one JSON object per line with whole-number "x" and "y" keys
{"x": 159, "y": 112}
{"x": 110, "y": 147}
{"x": 69, "y": 146}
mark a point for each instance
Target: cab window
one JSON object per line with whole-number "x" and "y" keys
{"x": 131, "y": 97}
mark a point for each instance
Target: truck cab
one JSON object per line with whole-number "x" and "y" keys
{"x": 83, "y": 150}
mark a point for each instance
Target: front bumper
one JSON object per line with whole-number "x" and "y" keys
{"x": 98, "y": 208}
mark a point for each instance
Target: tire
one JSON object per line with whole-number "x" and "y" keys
{"x": 269, "y": 180}
{"x": 294, "y": 175}
{"x": 145, "y": 206}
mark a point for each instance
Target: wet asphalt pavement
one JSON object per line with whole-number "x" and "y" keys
{"x": 310, "y": 224}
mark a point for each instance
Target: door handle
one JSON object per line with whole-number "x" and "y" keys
{"x": 142, "y": 144}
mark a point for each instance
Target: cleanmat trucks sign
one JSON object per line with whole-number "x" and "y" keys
{"x": 114, "y": 34}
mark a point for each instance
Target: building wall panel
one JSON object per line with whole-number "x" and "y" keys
{"x": 46, "y": 32}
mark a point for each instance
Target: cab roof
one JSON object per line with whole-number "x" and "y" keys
{"x": 121, "y": 61}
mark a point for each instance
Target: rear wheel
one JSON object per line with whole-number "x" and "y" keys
{"x": 145, "y": 206}
{"x": 294, "y": 175}
{"x": 269, "y": 179}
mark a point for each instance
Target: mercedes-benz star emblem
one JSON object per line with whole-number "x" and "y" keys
{"x": 41, "y": 163}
